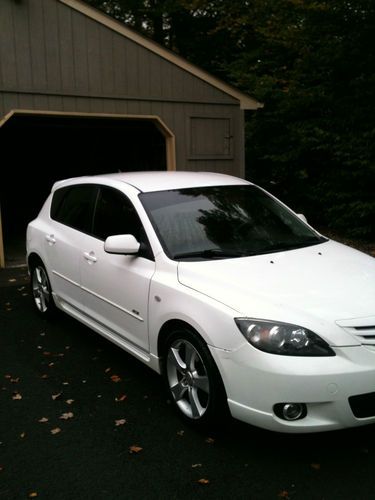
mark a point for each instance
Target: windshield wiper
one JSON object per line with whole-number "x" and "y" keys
{"x": 293, "y": 246}
{"x": 211, "y": 253}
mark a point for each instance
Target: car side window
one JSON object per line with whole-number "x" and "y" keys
{"x": 73, "y": 206}
{"x": 115, "y": 214}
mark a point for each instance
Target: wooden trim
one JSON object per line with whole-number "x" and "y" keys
{"x": 161, "y": 126}
{"x": 246, "y": 102}
{"x": 2, "y": 255}
{"x": 113, "y": 97}
{"x": 170, "y": 142}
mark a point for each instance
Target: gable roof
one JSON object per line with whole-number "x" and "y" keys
{"x": 246, "y": 102}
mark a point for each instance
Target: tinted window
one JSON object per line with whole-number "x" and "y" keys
{"x": 224, "y": 221}
{"x": 73, "y": 206}
{"x": 115, "y": 214}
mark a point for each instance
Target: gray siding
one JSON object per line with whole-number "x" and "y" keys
{"x": 46, "y": 46}
{"x": 54, "y": 58}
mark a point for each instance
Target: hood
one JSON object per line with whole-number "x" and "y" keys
{"x": 315, "y": 287}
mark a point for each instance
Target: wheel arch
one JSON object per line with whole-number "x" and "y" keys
{"x": 168, "y": 328}
{"x": 33, "y": 260}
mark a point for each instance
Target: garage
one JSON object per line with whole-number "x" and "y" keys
{"x": 58, "y": 146}
{"x": 82, "y": 93}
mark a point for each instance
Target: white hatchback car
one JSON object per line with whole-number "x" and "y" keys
{"x": 217, "y": 285}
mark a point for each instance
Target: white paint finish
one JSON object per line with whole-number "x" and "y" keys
{"x": 307, "y": 286}
{"x": 159, "y": 181}
{"x": 128, "y": 299}
{"x": 116, "y": 290}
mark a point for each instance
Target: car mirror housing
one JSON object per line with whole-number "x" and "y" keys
{"x": 125, "y": 244}
{"x": 302, "y": 217}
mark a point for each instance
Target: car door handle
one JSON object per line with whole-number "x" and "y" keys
{"x": 51, "y": 239}
{"x": 90, "y": 257}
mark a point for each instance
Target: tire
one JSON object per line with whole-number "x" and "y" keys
{"x": 41, "y": 291}
{"x": 192, "y": 379}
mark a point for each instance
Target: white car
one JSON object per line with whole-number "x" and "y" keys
{"x": 218, "y": 286}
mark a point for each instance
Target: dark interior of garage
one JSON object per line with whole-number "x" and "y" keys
{"x": 44, "y": 149}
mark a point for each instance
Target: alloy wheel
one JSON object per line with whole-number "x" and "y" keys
{"x": 188, "y": 379}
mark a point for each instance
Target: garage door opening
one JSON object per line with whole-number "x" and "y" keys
{"x": 44, "y": 148}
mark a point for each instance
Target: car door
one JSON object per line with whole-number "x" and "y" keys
{"x": 71, "y": 218}
{"x": 116, "y": 287}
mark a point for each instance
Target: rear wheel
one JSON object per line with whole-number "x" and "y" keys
{"x": 192, "y": 379}
{"x": 41, "y": 291}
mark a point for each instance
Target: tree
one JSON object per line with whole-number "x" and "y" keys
{"x": 312, "y": 64}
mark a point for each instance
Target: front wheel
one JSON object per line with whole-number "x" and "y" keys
{"x": 192, "y": 379}
{"x": 41, "y": 291}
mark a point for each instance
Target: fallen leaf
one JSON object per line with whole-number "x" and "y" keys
{"x": 121, "y": 398}
{"x": 203, "y": 481}
{"x": 22, "y": 435}
{"x": 194, "y": 466}
{"x": 115, "y": 378}
{"x": 107, "y": 370}
{"x": 69, "y": 401}
{"x": 210, "y": 440}
{"x": 43, "y": 420}
{"x": 66, "y": 416}
{"x": 60, "y": 355}
{"x": 56, "y": 396}
{"x": 44, "y": 376}
{"x": 15, "y": 380}
{"x": 8, "y": 376}
{"x": 135, "y": 449}
{"x": 50, "y": 364}
{"x": 56, "y": 430}
{"x": 33, "y": 494}
{"x": 283, "y": 494}
{"x": 121, "y": 421}
{"x": 16, "y": 395}
{"x": 46, "y": 353}
{"x": 315, "y": 466}
{"x": 12, "y": 280}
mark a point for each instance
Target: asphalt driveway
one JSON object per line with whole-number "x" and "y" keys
{"x": 81, "y": 419}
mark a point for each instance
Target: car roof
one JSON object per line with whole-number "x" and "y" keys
{"x": 158, "y": 181}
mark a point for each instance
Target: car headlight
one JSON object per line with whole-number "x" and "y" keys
{"x": 283, "y": 338}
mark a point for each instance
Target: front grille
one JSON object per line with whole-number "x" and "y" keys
{"x": 363, "y": 329}
{"x": 363, "y": 405}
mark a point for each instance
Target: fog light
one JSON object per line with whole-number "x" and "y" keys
{"x": 290, "y": 411}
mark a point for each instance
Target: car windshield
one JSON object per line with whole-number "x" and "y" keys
{"x": 224, "y": 222}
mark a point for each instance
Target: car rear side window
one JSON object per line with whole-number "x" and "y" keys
{"x": 74, "y": 206}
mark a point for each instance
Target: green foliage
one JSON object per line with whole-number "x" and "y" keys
{"x": 312, "y": 64}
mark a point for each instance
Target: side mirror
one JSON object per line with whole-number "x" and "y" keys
{"x": 302, "y": 217}
{"x": 124, "y": 244}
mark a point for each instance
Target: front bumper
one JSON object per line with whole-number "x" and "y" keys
{"x": 255, "y": 381}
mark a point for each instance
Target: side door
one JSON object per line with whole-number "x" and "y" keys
{"x": 71, "y": 218}
{"x": 116, "y": 287}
